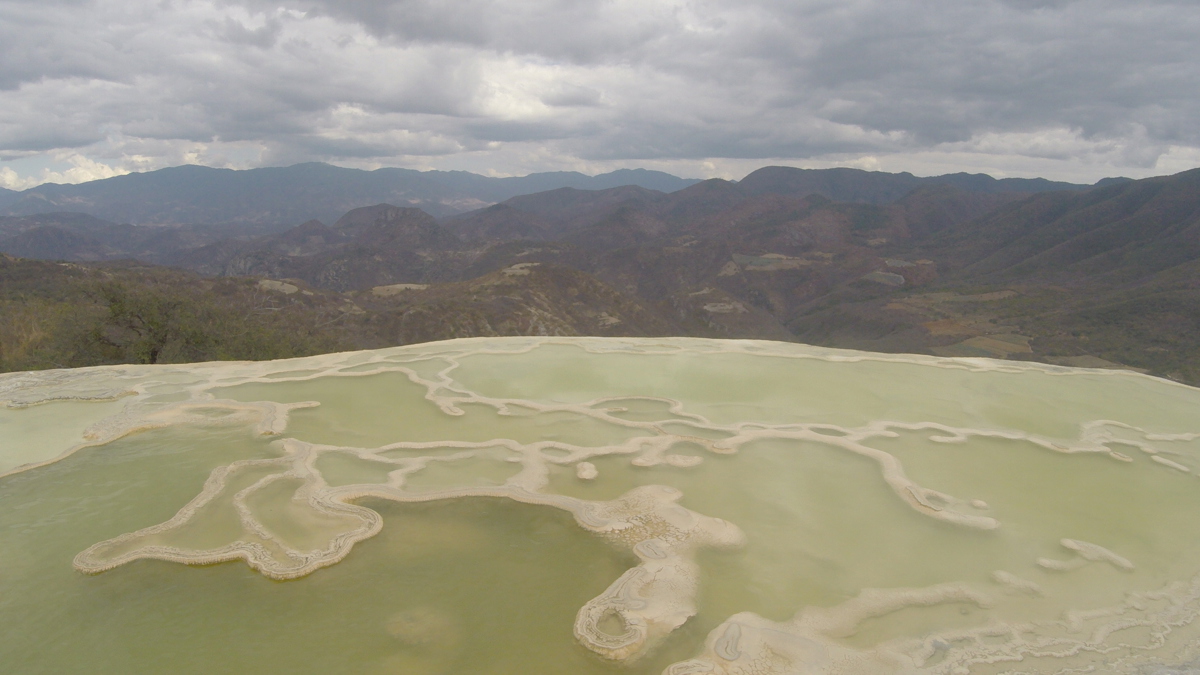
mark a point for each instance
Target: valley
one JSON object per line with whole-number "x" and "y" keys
{"x": 1099, "y": 276}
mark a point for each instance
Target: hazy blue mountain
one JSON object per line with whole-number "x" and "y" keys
{"x": 285, "y": 196}
{"x": 556, "y": 213}
{"x": 369, "y": 246}
{"x": 8, "y": 196}
{"x": 272, "y": 199}
{"x": 10, "y": 225}
{"x": 1116, "y": 180}
{"x": 651, "y": 180}
{"x": 1124, "y": 232}
{"x": 81, "y": 237}
{"x": 66, "y": 236}
{"x": 877, "y": 187}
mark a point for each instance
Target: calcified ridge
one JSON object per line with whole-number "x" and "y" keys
{"x": 656, "y": 596}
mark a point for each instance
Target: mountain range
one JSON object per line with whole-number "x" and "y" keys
{"x": 961, "y": 265}
{"x": 278, "y": 197}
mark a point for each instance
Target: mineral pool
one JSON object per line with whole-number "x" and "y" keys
{"x": 587, "y": 506}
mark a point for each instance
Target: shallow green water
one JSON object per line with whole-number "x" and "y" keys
{"x": 430, "y": 510}
{"x": 486, "y": 573}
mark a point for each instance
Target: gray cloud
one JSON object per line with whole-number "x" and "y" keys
{"x": 1074, "y": 89}
{"x": 235, "y": 32}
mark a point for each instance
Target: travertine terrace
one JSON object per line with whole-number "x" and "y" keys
{"x": 808, "y": 510}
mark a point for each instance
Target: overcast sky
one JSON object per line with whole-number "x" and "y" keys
{"x": 1067, "y": 90}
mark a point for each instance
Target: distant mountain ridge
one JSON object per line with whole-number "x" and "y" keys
{"x": 279, "y": 197}
{"x": 80, "y": 237}
{"x": 271, "y": 199}
{"x": 1096, "y": 278}
{"x": 878, "y": 187}
{"x": 1125, "y": 232}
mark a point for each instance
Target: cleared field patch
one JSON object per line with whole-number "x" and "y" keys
{"x": 994, "y": 346}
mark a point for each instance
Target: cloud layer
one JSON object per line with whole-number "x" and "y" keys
{"x": 1073, "y": 90}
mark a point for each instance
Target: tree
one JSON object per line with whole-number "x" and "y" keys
{"x": 144, "y": 325}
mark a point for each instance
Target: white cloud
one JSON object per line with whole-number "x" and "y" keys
{"x": 11, "y": 180}
{"x": 82, "y": 170}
